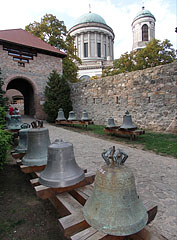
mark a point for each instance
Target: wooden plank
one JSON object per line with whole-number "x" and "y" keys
{"x": 35, "y": 182}
{"x": 46, "y": 192}
{"x": 17, "y": 155}
{"x": 75, "y": 222}
{"x": 76, "y": 122}
{"x": 85, "y": 234}
{"x": 30, "y": 169}
{"x": 61, "y": 209}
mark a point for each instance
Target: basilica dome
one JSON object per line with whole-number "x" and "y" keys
{"x": 89, "y": 18}
{"x": 143, "y": 13}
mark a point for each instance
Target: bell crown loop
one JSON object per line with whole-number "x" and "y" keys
{"x": 114, "y": 157}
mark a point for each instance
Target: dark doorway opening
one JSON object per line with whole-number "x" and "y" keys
{"x": 27, "y": 91}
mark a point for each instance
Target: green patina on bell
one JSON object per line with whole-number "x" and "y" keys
{"x": 14, "y": 122}
{"x": 114, "y": 207}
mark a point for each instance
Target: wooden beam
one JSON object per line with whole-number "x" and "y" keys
{"x": 46, "y": 192}
{"x": 31, "y": 169}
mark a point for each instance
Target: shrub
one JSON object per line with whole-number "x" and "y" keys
{"x": 57, "y": 93}
{"x": 2, "y": 117}
{"x": 5, "y": 144}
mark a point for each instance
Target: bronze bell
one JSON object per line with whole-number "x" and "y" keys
{"x": 114, "y": 207}
{"x": 110, "y": 123}
{"x": 37, "y": 147}
{"x": 127, "y": 121}
{"x": 61, "y": 116}
{"x": 62, "y": 169}
{"x": 84, "y": 116}
{"x": 23, "y": 137}
{"x": 15, "y": 122}
{"x": 71, "y": 116}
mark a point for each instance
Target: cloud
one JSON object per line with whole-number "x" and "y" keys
{"x": 117, "y": 14}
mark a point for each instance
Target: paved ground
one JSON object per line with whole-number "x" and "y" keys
{"x": 156, "y": 176}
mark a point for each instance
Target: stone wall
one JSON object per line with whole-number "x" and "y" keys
{"x": 149, "y": 95}
{"x": 36, "y": 72}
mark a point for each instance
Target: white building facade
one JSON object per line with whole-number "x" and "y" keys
{"x": 94, "y": 41}
{"x": 143, "y": 28}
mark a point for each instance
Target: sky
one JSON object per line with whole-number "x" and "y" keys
{"x": 118, "y": 14}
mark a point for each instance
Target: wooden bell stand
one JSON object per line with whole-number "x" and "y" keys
{"x": 124, "y": 132}
{"x": 69, "y": 202}
{"x": 74, "y": 122}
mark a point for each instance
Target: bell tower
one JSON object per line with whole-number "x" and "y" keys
{"x": 143, "y": 28}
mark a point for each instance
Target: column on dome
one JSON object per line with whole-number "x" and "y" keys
{"x": 102, "y": 46}
{"x": 76, "y": 44}
{"x": 112, "y": 44}
{"x": 82, "y": 45}
{"x": 110, "y": 47}
{"x": 89, "y": 45}
{"x": 107, "y": 49}
{"x": 95, "y": 44}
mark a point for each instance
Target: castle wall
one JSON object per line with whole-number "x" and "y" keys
{"x": 149, "y": 95}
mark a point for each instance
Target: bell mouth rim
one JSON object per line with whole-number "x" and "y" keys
{"x": 66, "y": 183}
{"x": 142, "y": 223}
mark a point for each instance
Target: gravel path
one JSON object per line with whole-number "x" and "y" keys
{"x": 156, "y": 176}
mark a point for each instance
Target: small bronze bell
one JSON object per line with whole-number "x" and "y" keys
{"x": 15, "y": 122}
{"x": 23, "y": 137}
{"x": 61, "y": 116}
{"x": 71, "y": 116}
{"x": 114, "y": 207}
{"x": 62, "y": 169}
{"x": 127, "y": 122}
{"x": 84, "y": 116}
{"x": 37, "y": 147}
{"x": 110, "y": 123}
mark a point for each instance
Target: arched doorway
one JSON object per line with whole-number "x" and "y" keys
{"x": 27, "y": 90}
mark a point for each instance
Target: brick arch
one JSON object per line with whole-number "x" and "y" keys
{"x": 13, "y": 77}
{"x": 28, "y": 88}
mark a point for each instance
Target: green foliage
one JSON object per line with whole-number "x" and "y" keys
{"x": 54, "y": 32}
{"x": 3, "y": 100}
{"x": 57, "y": 93}
{"x": 5, "y": 144}
{"x": 2, "y": 117}
{"x": 154, "y": 54}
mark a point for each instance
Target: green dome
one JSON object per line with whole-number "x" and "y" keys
{"x": 90, "y": 17}
{"x": 143, "y": 13}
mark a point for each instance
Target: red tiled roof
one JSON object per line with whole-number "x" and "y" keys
{"x": 22, "y": 37}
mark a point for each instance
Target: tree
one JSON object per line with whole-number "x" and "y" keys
{"x": 125, "y": 63}
{"x": 5, "y": 136}
{"x": 155, "y": 53}
{"x": 3, "y": 100}
{"x": 57, "y": 93}
{"x": 54, "y": 32}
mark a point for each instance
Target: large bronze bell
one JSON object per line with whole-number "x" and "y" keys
{"x": 23, "y": 137}
{"x": 62, "y": 169}
{"x": 15, "y": 122}
{"x": 84, "y": 116}
{"x": 37, "y": 147}
{"x": 71, "y": 116}
{"x": 61, "y": 116}
{"x": 114, "y": 207}
{"x": 111, "y": 123}
{"x": 127, "y": 122}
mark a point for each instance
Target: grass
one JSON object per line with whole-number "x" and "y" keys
{"x": 161, "y": 143}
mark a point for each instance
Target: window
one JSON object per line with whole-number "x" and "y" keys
{"x": 85, "y": 49}
{"x": 99, "y": 49}
{"x": 145, "y": 32}
{"x": 20, "y": 54}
